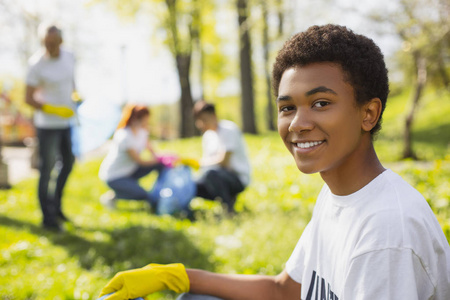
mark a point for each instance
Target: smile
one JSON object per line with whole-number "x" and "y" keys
{"x": 307, "y": 145}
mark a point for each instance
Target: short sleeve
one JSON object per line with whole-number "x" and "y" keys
{"x": 210, "y": 143}
{"x": 32, "y": 78}
{"x": 124, "y": 140}
{"x": 295, "y": 265}
{"x": 230, "y": 139}
{"x": 388, "y": 274}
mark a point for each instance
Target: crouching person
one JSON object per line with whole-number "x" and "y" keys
{"x": 224, "y": 165}
{"x": 123, "y": 166}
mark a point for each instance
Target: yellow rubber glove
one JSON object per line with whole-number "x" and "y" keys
{"x": 191, "y": 162}
{"x": 147, "y": 280}
{"x": 76, "y": 97}
{"x": 61, "y": 111}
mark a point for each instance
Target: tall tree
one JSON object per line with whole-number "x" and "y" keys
{"x": 424, "y": 36}
{"x": 420, "y": 80}
{"x": 196, "y": 36}
{"x": 266, "y": 51}
{"x": 247, "y": 98}
{"x": 180, "y": 22}
{"x": 423, "y": 27}
{"x": 267, "y": 8}
{"x": 182, "y": 50}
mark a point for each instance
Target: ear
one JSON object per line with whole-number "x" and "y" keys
{"x": 370, "y": 114}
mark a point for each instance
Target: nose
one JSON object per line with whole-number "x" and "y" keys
{"x": 301, "y": 121}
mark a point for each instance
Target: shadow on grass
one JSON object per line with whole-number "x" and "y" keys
{"x": 439, "y": 136}
{"x": 122, "y": 249}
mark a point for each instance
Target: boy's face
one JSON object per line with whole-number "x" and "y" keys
{"x": 318, "y": 117}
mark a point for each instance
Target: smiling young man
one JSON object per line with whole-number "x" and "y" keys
{"x": 372, "y": 235}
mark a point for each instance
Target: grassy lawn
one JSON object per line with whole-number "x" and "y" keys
{"x": 274, "y": 210}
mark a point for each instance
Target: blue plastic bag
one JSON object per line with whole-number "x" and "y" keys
{"x": 173, "y": 190}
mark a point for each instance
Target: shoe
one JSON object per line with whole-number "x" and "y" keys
{"x": 229, "y": 207}
{"x": 53, "y": 227}
{"x": 108, "y": 199}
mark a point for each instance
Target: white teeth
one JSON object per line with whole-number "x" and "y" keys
{"x": 308, "y": 144}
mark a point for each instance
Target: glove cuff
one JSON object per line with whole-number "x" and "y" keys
{"x": 173, "y": 276}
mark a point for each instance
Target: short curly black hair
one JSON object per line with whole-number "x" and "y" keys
{"x": 360, "y": 58}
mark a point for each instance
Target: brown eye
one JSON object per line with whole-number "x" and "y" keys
{"x": 320, "y": 104}
{"x": 285, "y": 108}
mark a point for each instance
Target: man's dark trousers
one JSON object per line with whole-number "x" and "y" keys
{"x": 55, "y": 153}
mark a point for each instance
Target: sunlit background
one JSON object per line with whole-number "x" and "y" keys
{"x": 125, "y": 53}
{"x": 125, "y": 59}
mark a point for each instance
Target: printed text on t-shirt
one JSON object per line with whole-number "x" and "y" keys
{"x": 320, "y": 288}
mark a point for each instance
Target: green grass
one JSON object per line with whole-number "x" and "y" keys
{"x": 431, "y": 127}
{"x": 274, "y": 210}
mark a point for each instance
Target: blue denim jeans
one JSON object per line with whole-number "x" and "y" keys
{"x": 189, "y": 296}
{"x": 55, "y": 154}
{"x": 128, "y": 187}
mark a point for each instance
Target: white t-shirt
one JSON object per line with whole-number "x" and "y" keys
{"x": 381, "y": 242}
{"x": 54, "y": 80}
{"x": 228, "y": 138}
{"x": 118, "y": 162}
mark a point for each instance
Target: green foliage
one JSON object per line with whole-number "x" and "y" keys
{"x": 431, "y": 179}
{"x": 431, "y": 130}
{"x": 76, "y": 264}
{"x": 273, "y": 211}
{"x": 423, "y": 27}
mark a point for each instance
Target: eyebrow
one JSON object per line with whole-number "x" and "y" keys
{"x": 283, "y": 98}
{"x": 320, "y": 89}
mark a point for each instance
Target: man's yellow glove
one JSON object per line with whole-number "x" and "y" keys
{"x": 76, "y": 97}
{"x": 147, "y": 280}
{"x": 61, "y": 111}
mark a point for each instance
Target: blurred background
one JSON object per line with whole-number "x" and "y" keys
{"x": 167, "y": 54}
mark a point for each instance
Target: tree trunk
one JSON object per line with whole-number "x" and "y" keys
{"x": 183, "y": 57}
{"x": 421, "y": 73}
{"x": 247, "y": 98}
{"x": 196, "y": 39}
{"x": 280, "y": 19}
{"x": 443, "y": 71}
{"x": 187, "y": 128}
{"x": 270, "y": 117}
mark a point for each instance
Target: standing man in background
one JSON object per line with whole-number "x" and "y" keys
{"x": 49, "y": 86}
{"x": 225, "y": 164}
